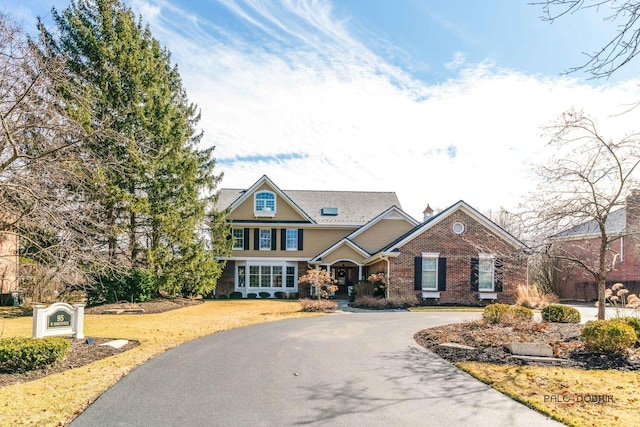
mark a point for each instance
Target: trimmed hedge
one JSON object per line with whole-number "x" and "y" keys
{"x": 504, "y": 313}
{"x": 18, "y": 355}
{"x": 264, "y": 294}
{"x": 557, "y": 313}
{"x": 235, "y": 295}
{"x": 279, "y": 295}
{"x": 608, "y": 336}
{"x": 252, "y": 295}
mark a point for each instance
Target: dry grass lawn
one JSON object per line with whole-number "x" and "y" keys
{"x": 57, "y": 399}
{"x": 573, "y": 396}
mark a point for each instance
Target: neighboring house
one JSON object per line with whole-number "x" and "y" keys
{"x": 573, "y": 282}
{"x": 457, "y": 256}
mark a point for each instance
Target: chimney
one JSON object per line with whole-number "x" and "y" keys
{"x": 633, "y": 210}
{"x": 428, "y": 213}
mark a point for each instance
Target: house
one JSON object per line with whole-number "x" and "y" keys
{"x": 583, "y": 241}
{"x": 457, "y": 256}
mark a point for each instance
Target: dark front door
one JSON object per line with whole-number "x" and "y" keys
{"x": 346, "y": 276}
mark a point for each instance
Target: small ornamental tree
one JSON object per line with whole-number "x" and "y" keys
{"x": 321, "y": 280}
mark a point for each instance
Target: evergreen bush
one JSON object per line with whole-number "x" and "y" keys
{"x": 557, "y": 313}
{"x": 608, "y": 336}
{"x": 18, "y": 355}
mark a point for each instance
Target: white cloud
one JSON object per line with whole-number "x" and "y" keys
{"x": 360, "y": 123}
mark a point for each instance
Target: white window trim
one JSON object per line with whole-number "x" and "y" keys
{"x": 491, "y": 258}
{"x": 264, "y": 212}
{"x": 241, "y": 247}
{"x": 286, "y": 236}
{"x": 431, "y": 255}
{"x": 260, "y": 230}
{"x": 264, "y": 263}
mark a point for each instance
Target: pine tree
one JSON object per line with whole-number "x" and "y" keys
{"x": 156, "y": 187}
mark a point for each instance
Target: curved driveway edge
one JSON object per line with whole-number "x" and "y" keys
{"x": 350, "y": 369}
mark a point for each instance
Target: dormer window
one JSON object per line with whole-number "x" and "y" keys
{"x": 265, "y": 204}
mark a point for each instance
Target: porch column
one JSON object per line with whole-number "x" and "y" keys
{"x": 359, "y": 273}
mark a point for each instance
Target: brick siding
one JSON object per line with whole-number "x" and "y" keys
{"x": 458, "y": 250}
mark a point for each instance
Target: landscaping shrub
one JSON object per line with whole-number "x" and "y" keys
{"x": 18, "y": 355}
{"x": 265, "y": 294}
{"x": 370, "y": 302}
{"x": 520, "y": 313}
{"x": 505, "y": 313}
{"x": 634, "y": 322}
{"x": 293, "y": 295}
{"x": 279, "y": 295}
{"x": 235, "y": 295}
{"x": 607, "y": 336}
{"x": 133, "y": 286}
{"x": 318, "y": 305}
{"x": 252, "y": 295}
{"x": 222, "y": 296}
{"x": 495, "y": 313}
{"x": 557, "y": 313}
{"x": 399, "y": 300}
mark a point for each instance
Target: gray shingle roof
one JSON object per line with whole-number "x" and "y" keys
{"x": 354, "y": 207}
{"x": 616, "y": 223}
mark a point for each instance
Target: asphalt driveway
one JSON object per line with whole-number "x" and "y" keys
{"x": 350, "y": 369}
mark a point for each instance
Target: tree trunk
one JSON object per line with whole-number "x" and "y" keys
{"x": 601, "y": 299}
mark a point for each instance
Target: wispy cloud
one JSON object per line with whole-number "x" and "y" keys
{"x": 298, "y": 97}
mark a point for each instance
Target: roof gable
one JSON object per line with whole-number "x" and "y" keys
{"x": 265, "y": 184}
{"x": 436, "y": 219}
{"x": 339, "y": 249}
{"x": 341, "y": 208}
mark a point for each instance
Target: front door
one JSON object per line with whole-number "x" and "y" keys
{"x": 346, "y": 277}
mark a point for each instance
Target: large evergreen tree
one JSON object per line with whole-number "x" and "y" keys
{"x": 155, "y": 186}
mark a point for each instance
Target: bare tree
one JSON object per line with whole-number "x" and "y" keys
{"x": 43, "y": 168}
{"x": 620, "y": 49}
{"x": 585, "y": 182}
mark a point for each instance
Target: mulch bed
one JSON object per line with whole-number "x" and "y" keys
{"x": 81, "y": 353}
{"x": 489, "y": 340}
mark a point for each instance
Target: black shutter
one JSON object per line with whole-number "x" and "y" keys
{"x": 283, "y": 239}
{"x": 417, "y": 286}
{"x": 300, "y": 230}
{"x": 474, "y": 273}
{"x": 274, "y": 237}
{"x": 256, "y": 239}
{"x": 442, "y": 274}
{"x": 497, "y": 274}
{"x": 246, "y": 239}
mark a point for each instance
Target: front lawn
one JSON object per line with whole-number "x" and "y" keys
{"x": 575, "y": 397}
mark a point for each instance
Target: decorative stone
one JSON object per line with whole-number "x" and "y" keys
{"x": 539, "y": 359}
{"x": 116, "y": 343}
{"x": 456, "y": 345}
{"x": 530, "y": 349}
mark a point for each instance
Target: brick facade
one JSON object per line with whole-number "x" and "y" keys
{"x": 459, "y": 249}
{"x": 575, "y": 283}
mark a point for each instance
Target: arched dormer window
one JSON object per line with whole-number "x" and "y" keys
{"x": 265, "y": 204}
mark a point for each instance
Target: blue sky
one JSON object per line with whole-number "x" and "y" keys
{"x": 437, "y": 100}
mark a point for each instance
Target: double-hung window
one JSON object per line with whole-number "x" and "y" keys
{"x": 486, "y": 273}
{"x": 238, "y": 238}
{"x": 291, "y": 239}
{"x": 265, "y": 239}
{"x": 430, "y": 273}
